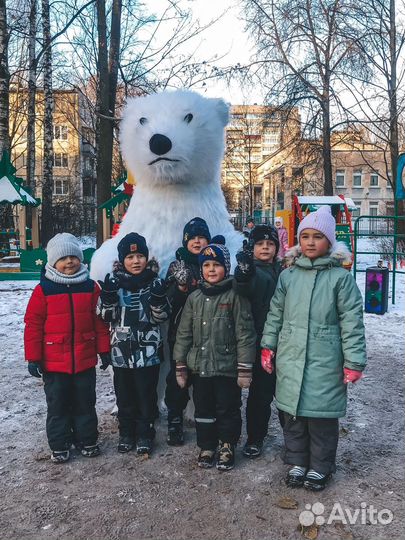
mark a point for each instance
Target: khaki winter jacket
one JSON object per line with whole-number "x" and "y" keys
{"x": 216, "y": 331}
{"x": 315, "y": 323}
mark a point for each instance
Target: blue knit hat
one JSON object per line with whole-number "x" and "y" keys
{"x": 195, "y": 227}
{"x": 132, "y": 243}
{"x": 216, "y": 252}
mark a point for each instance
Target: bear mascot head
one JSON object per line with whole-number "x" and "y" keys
{"x": 173, "y": 144}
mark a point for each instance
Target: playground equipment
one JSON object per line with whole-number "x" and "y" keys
{"x": 341, "y": 207}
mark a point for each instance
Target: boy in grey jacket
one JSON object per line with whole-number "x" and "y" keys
{"x": 216, "y": 342}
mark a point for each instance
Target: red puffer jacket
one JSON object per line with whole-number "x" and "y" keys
{"x": 62, "y": 330}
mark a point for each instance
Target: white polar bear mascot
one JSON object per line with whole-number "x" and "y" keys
{"x": 173, "y": 144}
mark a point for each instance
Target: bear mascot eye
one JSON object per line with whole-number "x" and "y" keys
{"x": 143, "y": 120}
{"x": 188, "y": 118}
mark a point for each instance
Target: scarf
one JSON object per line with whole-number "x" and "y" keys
{"x": 58, "y": 277}
{"x": 129, "y": 281}
{"x": 183, "y": 254}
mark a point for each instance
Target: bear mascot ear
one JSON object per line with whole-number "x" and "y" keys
{"x": 222, "y": 109}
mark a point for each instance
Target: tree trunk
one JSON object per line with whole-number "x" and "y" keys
{"x": 326, "y": 143}
{"x": 104, "y": 130}
{"x": 47, "y": 229}
{"x": 30, "y": 178}
{"x": 6, "y": 211}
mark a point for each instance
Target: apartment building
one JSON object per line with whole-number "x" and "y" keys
{"x": 73, "y": 159}
{"x": 254, "y": 133}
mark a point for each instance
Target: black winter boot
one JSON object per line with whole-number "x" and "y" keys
{"x": 175, "y": 434}
{"x": 226, "y": 456}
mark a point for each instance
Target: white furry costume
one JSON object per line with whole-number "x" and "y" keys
{"x": 173, "y": 144}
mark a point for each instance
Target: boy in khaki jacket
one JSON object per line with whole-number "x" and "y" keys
{"x": 216, "y": 342}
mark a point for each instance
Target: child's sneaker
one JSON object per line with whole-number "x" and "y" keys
{"x": 91, "y": 450}
{"x": 60, "y": 456}
{"x": 226, "y": 457}
{"x": 125, "y": 444}
{"x": 206, "y": 459}
{"x": 253, "y": 449}
{"x": 175, "y": 435}
{"x": 315, "y": 481}
{"x": 296, "y": 476}
{"x": 144, "y": 446}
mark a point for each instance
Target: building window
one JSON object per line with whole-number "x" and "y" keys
{"x": 60, "y": 160}
{"x": 357, "y": 211}
{"x": 340, "y": 178}
{"x": 374, "y": 178}
{"x": 60, "y": 133}
{"x": 61, "y": 187}
{"x": 357, "y": 177}
{"x": 373, "y": 208}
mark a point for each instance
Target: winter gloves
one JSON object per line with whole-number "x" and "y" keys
{"x": 157, "y": 293}
{"x": 181, "y": 375}
{"x": 105, "y": 359}
{"x": 267, "y": 359}
{"x": 351, "y": 375}
{"x": 245, "y": 268}
{"x": 34, "y": 369}
{"x": 182, "y": 275}
{"x": 244, "y": 375}
{"x": 109, "y": 289}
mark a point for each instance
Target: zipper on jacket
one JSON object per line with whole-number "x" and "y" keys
{"x": 73, "y": 330}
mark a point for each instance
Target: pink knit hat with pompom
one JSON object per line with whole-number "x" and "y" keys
{"x": 322, "y": 221}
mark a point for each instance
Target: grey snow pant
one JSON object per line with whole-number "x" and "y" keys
{"x": 311, "y": 442}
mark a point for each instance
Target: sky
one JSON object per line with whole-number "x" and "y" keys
{"x": 226, "y": 38}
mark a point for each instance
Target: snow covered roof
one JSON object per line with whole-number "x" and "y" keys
{"x": 326, "y": 199}
{"x": 11, "y": 192}
{"x": 11, "y": 188}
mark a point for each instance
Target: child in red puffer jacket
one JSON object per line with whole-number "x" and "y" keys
{"x": 62, "y": 338}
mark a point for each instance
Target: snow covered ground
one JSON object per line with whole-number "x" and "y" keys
{"x": 116, "y": 496}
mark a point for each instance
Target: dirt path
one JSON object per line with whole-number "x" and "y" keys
{"x": 167, "y": 497}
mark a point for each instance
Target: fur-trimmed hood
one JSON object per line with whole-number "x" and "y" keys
{"x": 339, "y": 253}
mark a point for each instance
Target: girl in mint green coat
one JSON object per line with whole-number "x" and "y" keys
{"x": 315, "y": 325}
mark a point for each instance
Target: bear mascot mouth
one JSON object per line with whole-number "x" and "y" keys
{"x": 162, "y": 159}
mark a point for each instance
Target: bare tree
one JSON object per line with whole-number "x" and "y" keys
{"x": 302, "y": 55}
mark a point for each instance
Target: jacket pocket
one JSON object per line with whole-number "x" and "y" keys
{"x": 225, "y": 359}
{"x": 192, "y": 359}
{"x": 54, "y": 348}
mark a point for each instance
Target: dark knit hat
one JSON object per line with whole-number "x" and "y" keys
{"x": 216, "y": 252}
{"x": 132, "y": 243}
{"x": 195, "y": 227}
{"x": 264, "y": 232}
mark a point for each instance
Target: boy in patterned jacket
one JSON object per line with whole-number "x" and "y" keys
{"x": 133, "y": 300}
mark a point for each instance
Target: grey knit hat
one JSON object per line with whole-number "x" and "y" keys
{"x": 63, "y": 245}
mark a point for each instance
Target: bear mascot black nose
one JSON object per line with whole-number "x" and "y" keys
{"x": 160, "y": 144}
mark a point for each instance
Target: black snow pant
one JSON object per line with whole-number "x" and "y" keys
{"x": 176, "y": 398}
{"x": 71, "y": 401}
{"x": 258, "y": 406}
{"x": 136, "y": 401}
{"x": 311, "y": 442}
{"x": 217, "y": 402}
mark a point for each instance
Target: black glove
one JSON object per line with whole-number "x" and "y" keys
{"x": 109, "y": 289}
{"x": 153, "y": 265}
{"x": 105, "y": 358}
{"x": 157, "y": 292}
{"x": 245, "y": 268}
{"x": 35, "y": 369}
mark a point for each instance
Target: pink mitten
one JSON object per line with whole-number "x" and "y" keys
{"x": 267, "y": 360}
{"x": 351, "y": 375}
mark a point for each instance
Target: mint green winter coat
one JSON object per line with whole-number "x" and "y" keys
{"x": 315, "y": 323}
